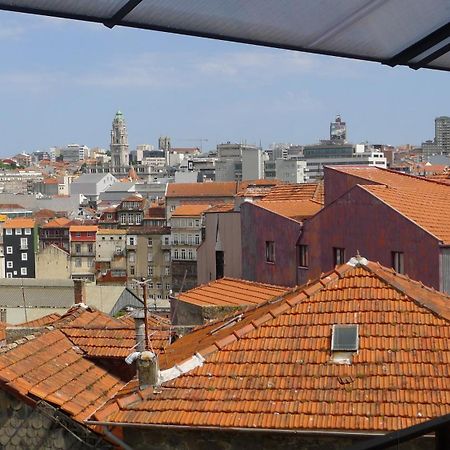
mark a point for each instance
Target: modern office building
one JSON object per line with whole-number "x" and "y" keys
{"x": 442, "y": 133}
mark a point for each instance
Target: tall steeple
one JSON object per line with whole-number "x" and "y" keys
{"x": 119, "y": 143}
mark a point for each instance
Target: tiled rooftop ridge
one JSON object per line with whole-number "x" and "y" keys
{"x": 213, "y": 340}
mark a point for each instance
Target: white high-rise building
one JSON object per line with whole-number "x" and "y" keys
{"x": 119, "y": 143}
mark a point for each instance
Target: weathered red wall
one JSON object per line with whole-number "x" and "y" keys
{"x": 259, "y": 225}
{"x": 359, "y": 221}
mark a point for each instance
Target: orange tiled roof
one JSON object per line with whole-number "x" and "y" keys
{"x": 111, "y": 231}
{"x": 59, "y": 222}
{"x": 270, "y": 367}
{"x": 41, "y": 322}
{"x": 19, "y": 222}
{"x": 82, "y": 228}
{"x": 51, "y": 368}
{"x": 294, "y": 209}
{"x": 210, "y": 189}
{"x": 190, "y": 210}
{"x": 301, "y": 191}
{"x": 428, "y": 207}
{"x": 223, "y": 207}
{"x": 231, "y": 292}
{"x": 101, "y": 336}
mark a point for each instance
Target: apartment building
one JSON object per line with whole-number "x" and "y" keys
{"x": 82, "y": 251}
{"x": 19, "y": 243}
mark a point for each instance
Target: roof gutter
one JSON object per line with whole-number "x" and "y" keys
{"x": 212, "y": 428}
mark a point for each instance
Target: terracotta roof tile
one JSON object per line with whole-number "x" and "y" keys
{"x": 294, "y": 209}
{"x": 225, "y": 207}
{"x": 83, "y": 228}
{"x": 59, "y": 222}
{"x": 190, "y": 210}
{"x": 276, "y": 372}
{"x": 49, "y": 368}
{"x": 301, "y": 191}
{"x": 231, "y": 292}
{"x": 19, "y": 222}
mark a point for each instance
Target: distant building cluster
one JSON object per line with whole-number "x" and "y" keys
{"x": 295, "y": 296}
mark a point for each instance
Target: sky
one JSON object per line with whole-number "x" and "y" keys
{"x": 62, "y": 81}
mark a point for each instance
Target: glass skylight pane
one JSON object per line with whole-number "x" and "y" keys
{"x": 344, "y": 338}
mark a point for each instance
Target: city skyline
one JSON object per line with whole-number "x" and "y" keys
{"x": 63, "y": 82}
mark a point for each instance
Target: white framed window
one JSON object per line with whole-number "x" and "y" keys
{"x": 150, "y": 271}
{"x": 24, "y": 256}
{"x": 190, "y": 254}
{"x": 166, "y": 271}
{"x": 123, "y": 219}
{"x": 197, "y": 239}
{"x": 9, "y": 231}
{"x": 9, "y": 275}
{"x": 18, "y": 231}
{"x": 167, "y": 286}
{"x": 23, "y": 271}
{"x": 138, "y": 219}
{"x": 149, "y": 242}
{"x": 183, "y": 253}
{"x": 27, "y": 230}
{"x": 24, "y": 243}
{"x": 131, "y": 240}
{"x": 175, "y": 254}
{"x": 9, "y": 250}
{"x": 131, "y": 257}
{"x": 9, "y": 264}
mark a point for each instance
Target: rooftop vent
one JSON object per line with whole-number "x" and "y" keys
{"x": 344, "y": 338}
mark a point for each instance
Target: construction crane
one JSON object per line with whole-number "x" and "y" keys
{"x": 201, "y": 140}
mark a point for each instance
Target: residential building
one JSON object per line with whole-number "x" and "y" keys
{"x": 91, "y": 185}
{"x": 55, "y": 232}
{"x": 206, "y": 193}
{"x": 131, "y": 211}
{"x": 442, "y": 133}
{"x": 110, "y": 255}
{"x": 291, "y": 170}
{"x": 19, "y": 244}
{"x": 220, "y": 253}
{"x": 53, "y": 262}
{"x": 400, "y": 220}
{"x": 82, "y": 251}
{"x": 218, "y": 299}
{"x": 270, "y": 230}
{"x": 358, "y": 352}
{"x": 186, "y": 225}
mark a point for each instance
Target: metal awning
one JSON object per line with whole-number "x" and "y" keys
{"x": 415, "y": 33}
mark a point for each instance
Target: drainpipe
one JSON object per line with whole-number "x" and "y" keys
{"x": 115, "y": 439}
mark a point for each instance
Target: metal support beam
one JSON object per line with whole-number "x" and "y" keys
{"x": 123, "y": 12}
{"x": 431, "y": 57}
{"x": 420, "y": 47}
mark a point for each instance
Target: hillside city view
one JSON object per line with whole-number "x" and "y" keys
{"x": 212, "y": 244}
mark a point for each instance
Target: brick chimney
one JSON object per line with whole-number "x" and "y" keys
{"x": 79, "y": 291}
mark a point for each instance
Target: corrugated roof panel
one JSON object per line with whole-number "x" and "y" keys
{"x": 392, "y": 32}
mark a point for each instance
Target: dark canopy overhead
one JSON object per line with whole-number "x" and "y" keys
{"x": 414, "y": 33}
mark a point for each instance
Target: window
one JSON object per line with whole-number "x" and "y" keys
{"x": 9, "y": 275}
{"x": 166, "y": 256}
{"x": 3, "y": 314}
{"x": 166, "y": 271}
{"x": 24, "y": 243}
{"x": 9, "y": 264}
{"x": 18, "y": 231}
{"x": 150, "y": 256}
{"x": 90, "y": 248}
{"x": 131, "y": 257}
{"x": 183, "y": 253}
{"x": 158, "y": 285}
{"x": 303, "y": 256}
{"x": 131, "y": 270}
{"x": 130, "y": 219}
{"x": 270, "y": 251}
{"x": 197, "y": 239}
{"x": 166, "y": 240}
{"x": 150, "y": 271}
{"x": 175, "y": 238}
{"x": 398, "y": 262}
{"x": 131, "y": 240}
{"x": 344, "y": 338}
{"x": 9, "y": 250}
{"x": 190, "y": 254}
{"x": 77, "y": 248}
{"x": 150, "y": 242}
{"x": 8, "y": 231}
{"x": 168, "y": 286}
{"x": 109, "y": 216}
{"x": 138, "y": 219}
{"x": 78, "y": 262}
{"x": 24, "y": 256}
{"x": 123, "y": 219}
{"x": 338, "y": 256}
{"x": 103, "y": 238}
{"x": 23, "y": 271}
{"x": 175, "y": 254}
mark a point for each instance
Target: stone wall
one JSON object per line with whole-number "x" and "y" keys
{"x": 24, "y": 427}
{"x": 179, "y": 439}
